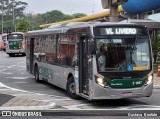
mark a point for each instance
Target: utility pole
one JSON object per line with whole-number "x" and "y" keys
{"x": 93, "y": 9}
{"x": 113, "y": 13}
{"x": 14, "y": 16}
{"x": 27, "y": 13}
{"x": 113, "y": 5}
{"x": 2, "y": 17}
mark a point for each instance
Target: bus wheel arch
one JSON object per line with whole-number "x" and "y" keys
{"x": 71, "y": 87}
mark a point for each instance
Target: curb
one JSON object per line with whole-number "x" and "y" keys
{"x": 156, "y": 86}
{"x": 45, "y": 107}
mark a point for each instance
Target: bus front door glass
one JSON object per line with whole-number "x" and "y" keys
{"x": 84, "y": 64}
{"x": 123, "y": 54}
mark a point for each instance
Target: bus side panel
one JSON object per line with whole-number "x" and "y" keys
{"x": 57, "y": 76}
{"x": 0, "y": 44}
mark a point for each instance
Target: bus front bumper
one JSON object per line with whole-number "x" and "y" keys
{"x": 109, "y": 93}
{"x": 19, "y": 51}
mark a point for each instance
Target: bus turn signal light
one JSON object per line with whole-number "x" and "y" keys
{"x": 23, "y": 46}
{"x": 6, "y": 46}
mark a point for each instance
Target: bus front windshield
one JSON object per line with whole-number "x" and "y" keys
{"x": 15, "y": 37}
{"x": 123, "y": 54}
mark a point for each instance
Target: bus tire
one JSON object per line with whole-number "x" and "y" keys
{"x": 71, "y": 88}
{"x": 23, "y": 54}
{"x": 10, "y": 55}
{"x": 36, "y": 74}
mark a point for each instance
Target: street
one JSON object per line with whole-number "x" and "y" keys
{"x": 16, "y": 82}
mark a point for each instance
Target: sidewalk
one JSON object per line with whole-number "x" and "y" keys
{"x": 18, "y": 103}
{"x": 12, "y": 99}
{"x": 156, "y": 81}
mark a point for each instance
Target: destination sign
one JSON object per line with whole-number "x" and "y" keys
{"x": 118, "y": 31}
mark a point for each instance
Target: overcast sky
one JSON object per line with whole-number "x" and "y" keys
{"x": 66, "y": 6}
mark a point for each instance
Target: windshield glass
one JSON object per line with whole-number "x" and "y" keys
{"x": 123, "y": 54}
{"x": 13, "y": 37}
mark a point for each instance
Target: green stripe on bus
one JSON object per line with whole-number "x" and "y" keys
{"x": 125, "y": 83}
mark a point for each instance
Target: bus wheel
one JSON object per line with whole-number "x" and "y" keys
{"x": 23, "y": 54}
{"x": 10, "y": 55}
{"x": 71, "y": 88}
{"x": 36, "y": 74}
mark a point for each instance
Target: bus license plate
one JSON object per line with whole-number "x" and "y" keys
{"x": 127, "y": 94}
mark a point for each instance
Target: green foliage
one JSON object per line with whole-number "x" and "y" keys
{"x": 155, "y": 67}
{"x": 22, "y": 25}
{"x": 12, "y": 11}
{"x": 51, "y": 17}
{"x": 8, "y": 26}
{"x": 155, "y": 46}
{"x": 78, "y": 15}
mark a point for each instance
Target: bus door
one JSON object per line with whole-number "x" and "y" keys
{"x": 84, "y": 65}
{"x": 30, "y": 54}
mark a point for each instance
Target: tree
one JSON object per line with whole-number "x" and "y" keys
{"x": 12, "y": 11}
{"x": 68, "y": 17}
{"x": 155, "y": 46}
{"x": 78, "y": 15}
{"x": 51, "y": 17}
{"x": 22, "y": 25}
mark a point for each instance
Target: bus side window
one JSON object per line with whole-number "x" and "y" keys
{"x": 67, "y": 49}
{"x": 74, "y": 61}
{"x": 51, "y": 50}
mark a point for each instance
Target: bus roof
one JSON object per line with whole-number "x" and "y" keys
{"x": 57, "y": 29}
{"x": 17, "y": 33}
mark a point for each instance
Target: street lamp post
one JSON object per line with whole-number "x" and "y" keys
{"x": 14, "y": 25}
{"x": 27, "y": 13}
{"x": 113, "y": 4}
{"x": 2, "y": 17}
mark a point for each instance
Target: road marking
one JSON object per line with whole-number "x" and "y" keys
{"x": 11, "y": 66}
{"x": 22, "y": 66}
{"x": 6, "y": 73}
{"x": 19, "y": 82}
{"x": 74, "y": 107}
{"x": 17, "y": 77}
{"x": 8, "y": 68}
{"x": 20, "y": 63}
{"x": 20, "y": 69}
{"x": 3, "y": 70}
{"x": 4, "y": 89}
{"x": 3, "y": 85}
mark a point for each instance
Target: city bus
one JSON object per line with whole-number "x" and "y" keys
{"x": 15, "y": 43}
{"x": 1, "y": 42}
{"x": 4, "y": 40}
{"x": 93, "y": 60}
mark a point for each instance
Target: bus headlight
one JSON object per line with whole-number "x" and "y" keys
{"x": 100, "y": 81}
{"x": 150, "y": 79}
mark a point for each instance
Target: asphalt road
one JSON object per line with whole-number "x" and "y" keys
{"x": 14, "y": 75}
